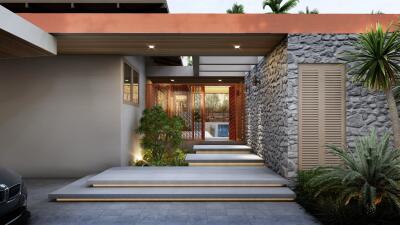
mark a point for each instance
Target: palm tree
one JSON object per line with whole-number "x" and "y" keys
{"x": 396, "y": 92}
{"x": 377, "y": 67}
{"x": 277, "y": 8}
{"x": 236, "y": 9}
{"x": 370, "y": 174}
{"x": 308, "y": 11}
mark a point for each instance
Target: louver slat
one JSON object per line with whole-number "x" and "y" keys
{"x": 321, "y": 113}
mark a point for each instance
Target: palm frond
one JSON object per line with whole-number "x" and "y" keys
{"x": 277, "y": 7}
{"x": 236, "y": 9}
{"x": 376, "y": 63}
{"x": 370, "y": 173}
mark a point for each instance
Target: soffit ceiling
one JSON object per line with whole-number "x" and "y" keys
{"x": 169, "y": 45}
{"x": 19, "y": 38}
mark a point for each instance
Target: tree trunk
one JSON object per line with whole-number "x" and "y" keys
{"x": 394, "y": 116}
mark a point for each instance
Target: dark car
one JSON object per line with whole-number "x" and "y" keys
{"x": 13, "y": 198}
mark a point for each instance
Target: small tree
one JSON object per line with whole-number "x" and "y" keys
{"x": 377, "y": 67}
{"x": 277, "y": 8}
{"x": 236, "y": 9}
{"x": 161, "y": 135}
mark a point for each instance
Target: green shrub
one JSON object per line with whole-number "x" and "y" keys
{"x": 363, "y": 190}
{"x": 162, "y": 136}
{"x": 141, "y": 163}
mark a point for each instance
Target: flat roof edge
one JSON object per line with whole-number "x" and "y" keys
{"x": 86, "y": 23}
{"x": 26, "y": 31}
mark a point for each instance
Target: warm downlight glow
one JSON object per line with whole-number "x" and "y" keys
{"x": 151, "y": 46}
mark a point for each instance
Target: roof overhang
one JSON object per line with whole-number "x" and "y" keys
{"x": 69, "y": 23}
{"x": 20, "y": 38}
{"x": 83, "y": 1}
{"x": 190, "y": 34}
{"x": 86, "y": 6}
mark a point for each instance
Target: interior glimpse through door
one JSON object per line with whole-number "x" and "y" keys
{"x": 211, "y": 112}
{"x": 217, "y": 113}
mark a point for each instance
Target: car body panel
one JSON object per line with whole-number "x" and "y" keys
{"x": 14, "y": 201}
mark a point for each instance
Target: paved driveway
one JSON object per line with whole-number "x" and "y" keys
{"x": 164, "y": 213}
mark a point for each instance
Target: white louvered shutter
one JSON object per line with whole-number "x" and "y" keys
{"x": 321, "y": 113}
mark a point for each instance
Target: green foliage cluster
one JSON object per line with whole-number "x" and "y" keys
{"x": 162, "y": 137}
{"x": 277, "y": 7}
{"x": 376, "y": 65}
{"x": 236, "y": 9}
{"x": 364, "y": 190}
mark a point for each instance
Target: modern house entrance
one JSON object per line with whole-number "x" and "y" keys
{"x": 211, "y": 111}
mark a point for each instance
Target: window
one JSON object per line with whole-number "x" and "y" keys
{"x": 131, "y": 85}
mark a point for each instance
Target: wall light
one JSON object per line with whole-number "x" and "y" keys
{"x": 236, "y": 46}
{"x": 151, "y": 46}
{"x": 219, "y": 80}
{"x": 172, "y": 80}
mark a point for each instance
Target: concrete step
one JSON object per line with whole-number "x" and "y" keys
{"x": 221, "y": 149}
{"x": 224, "y": 160}
{"x": 79, "y": 192}
{"x": 187, "y": 177}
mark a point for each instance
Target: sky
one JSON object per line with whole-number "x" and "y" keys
{"x": 255, "y": 6}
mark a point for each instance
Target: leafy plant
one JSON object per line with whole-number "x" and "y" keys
{"x": 324, "y": 206}
{"x": 179, "y": 158}
{"x": 141, "y": 163}
{"x": 369, "y": 175}
{"x": 236, "y": 9}
{"x": 376, "y": 65}
{"x": 308, "y": 11}
{"x": 162, "y": 135}
{"x": 277, "y": 7}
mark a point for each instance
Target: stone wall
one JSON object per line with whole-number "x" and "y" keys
{"x": 364, "y": 109}
{"x": 272, "y": 99}
{"x": 266, "y": 109}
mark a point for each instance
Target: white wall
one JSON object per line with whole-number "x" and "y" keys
{"x": 61, "y": 116}
{"x": 131, "y": 115}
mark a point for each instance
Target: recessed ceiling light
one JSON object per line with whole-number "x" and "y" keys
{"x": 172, "y": 80}
{"x": 219, "y": 80}
{"x": 236, "y": 46}
{"x": 151, "y": 46}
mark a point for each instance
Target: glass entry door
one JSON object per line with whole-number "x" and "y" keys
{"x": 217, "y": 113}
{"x": 211, "y": 112}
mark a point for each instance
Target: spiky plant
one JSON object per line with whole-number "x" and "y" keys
{"x": 370, "y": 174}
{"x": 236, "y": 9}
{"x": 376, "y": 65}
{"x": 308, "y": 11}
{"x": 277, "y": 7}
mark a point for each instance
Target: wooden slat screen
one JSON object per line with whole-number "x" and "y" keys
{"x": 232, "y": 113}
{"x": 321, "y": 113}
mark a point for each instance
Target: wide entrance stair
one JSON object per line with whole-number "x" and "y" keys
{"x": 215, "y": 173}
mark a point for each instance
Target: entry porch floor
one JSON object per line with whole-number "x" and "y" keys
{"x": 178, "y": 184}
{"x": 44, "y": 212}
